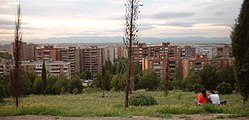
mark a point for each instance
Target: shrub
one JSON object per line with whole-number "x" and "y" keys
{"x": 198, "y": 88}
{"x": 142, "y": 100}
{"x": 224, "y": 88}
{"x": 75, "y": 91}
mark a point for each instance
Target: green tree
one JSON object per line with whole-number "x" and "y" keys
{"x": 118, "y": 82}
{"x": 120, "y": 65}
{"x": 5, "y": 55}
{"x": 44, "y": 77}
{"x": 61, "y": 83}
{"x": 149, "y": 80}
{"x": 227, "y": 75}
{"x": 51, "y": 84}
{"x": 28, "y": 79}
{"x": 4, "y": 87}
{"x": 75, "y": 83}
{"x": 37, "y": 86}
{"x": 208, "y": 77}
{"x": 177, "y": 81}
{"x": 86, "y": 75}
{"x": 240, "y": 43}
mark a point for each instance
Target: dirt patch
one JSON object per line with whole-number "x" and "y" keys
{"x": 174, "y": 117}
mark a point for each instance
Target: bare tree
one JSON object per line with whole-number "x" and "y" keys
{"x": 131, "y": 38}
{"x": 15, "y": 73}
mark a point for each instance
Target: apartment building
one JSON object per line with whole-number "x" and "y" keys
{"x": 27, "y": 51}
{"x": 187, "y": 52}
{"x": 142, "y": 50}
{"x": 54, "y": 67}
{"x": 163, "y": 66}
{"x": 197, "y": 64}
{"x": 92, "y": 59}
{"x": 223, "y": 51}
{"x": 48, "y": 53}
{"x": 72, "y": 55}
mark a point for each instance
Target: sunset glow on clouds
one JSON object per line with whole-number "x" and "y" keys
{"x": 158, "y": 18}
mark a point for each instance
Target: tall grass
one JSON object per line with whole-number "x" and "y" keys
{"x": 93, "y": 105}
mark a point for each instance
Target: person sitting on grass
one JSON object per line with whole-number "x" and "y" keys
{"x": 202, "y": 97}
{"x": 214, "y": 98}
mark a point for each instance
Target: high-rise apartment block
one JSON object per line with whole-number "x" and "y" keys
{"x": 72, "y": 55}
{"x": 92, "y": 59}
{"x": 48, "y": 53}
{"x": 196, "y": 65}
{"x": 53, "y": 67}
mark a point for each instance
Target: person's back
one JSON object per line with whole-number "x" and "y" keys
{"x": 202, "y": 97}
{"x": 215, "y": 99}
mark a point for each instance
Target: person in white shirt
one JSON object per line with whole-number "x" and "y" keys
{"x": 214, "y": 98}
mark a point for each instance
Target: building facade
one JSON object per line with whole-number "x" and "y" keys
{"x": 72, "y": 55}
{"x": 196, "y": 65}
{"x": 48, "y": 53}
{"x": 92, "y": 59}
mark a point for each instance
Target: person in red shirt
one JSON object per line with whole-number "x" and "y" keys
{"x": 202, "y": 97}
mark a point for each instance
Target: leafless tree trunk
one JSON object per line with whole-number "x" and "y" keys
{"x": 15, "y": 73}
{"x": 131, "y": 37}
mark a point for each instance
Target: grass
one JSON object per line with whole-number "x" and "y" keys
{"x": 93, "y": 105}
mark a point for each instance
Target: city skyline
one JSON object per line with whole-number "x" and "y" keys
{"x": 43, "y": 19}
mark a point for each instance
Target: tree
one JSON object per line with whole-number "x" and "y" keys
{"x": 131, "y": 37}
{"x": 75, "y": 83}
{"x": 208, "y": 77}
{"x": 240, "y": 43}
{"x": 86, "y": 75}
{"x": 28, "y": 79}
{"x": 44, "y": 77}
{"x": 15, "y": 73}
{"x": 5, "y": 55}
{"x": 118, "y": 82}
{"x": 37, "y": 86}
{"x": 4, "y": 87}
{"x": 150, "y": 80}
{"x": 227, "y": 75}
{"x": 120, "y": 65}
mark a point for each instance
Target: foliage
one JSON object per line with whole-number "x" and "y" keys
{"x": 4, "y": 86}
{"x": 208, "y": 77}
{"x": 142, "y": 100}
{"x": 37, "y": 86}
{"x": 103, "y": 80}
{"x": 44, "y": 77}
{"x": 120, "y": 65}
{"x": 149, "y": 80}
{"x": 28, "y": 79}
{"x": 118, "y": 82}
{"x": 75, "y": 83}
{"x": 177, "y": 81}
{"x": 5, "y": 55}
{"x": 227, "y": 75}
{"x": 240, "y": 43}
{"x": 86, "y": 75}
{"x": 224, "y": 88}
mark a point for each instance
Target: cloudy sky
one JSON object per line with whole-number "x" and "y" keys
{"x": 43, "y": 19}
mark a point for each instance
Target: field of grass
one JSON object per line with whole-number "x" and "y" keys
{"x": 93, "y": 105}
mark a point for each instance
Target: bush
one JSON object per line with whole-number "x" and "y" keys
{"x": 142, "y": 100}
{"x": 75, "y": 91}
{"x": 224, "y": 88}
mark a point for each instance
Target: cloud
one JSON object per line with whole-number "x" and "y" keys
{"x": 180, "y": 24}
{"x": 171, "y": 15}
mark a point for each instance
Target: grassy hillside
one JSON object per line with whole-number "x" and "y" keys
{"x": 93, "y": 105}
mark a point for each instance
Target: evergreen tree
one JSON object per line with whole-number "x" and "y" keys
{"x": 44, "y": 78}
{"x": 240, "y": 43}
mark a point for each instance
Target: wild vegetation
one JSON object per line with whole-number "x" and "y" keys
{"x": 91, "y": 104}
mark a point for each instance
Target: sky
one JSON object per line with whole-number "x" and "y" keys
{"x": 42, "y": 19}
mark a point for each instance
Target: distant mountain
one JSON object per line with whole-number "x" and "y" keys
{"x": 119, "y": 39}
